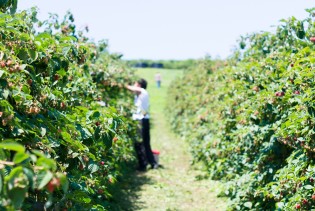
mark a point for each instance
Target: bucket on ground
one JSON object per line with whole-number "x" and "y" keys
{"x": 156, "y": 154}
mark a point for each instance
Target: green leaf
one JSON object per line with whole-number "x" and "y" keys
{"x": 308, "y": 187}
{"x": 1, "y": 73}
{"x": 65, "y": 185}
{"x": 64, "y": 182}
{"x": 30, "y": 176}
{"x": 49, "y": 201}
{"x": 80, "y": 196}
{"x": 13, "y": 6}
{"x": 45, "y": 178}
{"x": 66, "y": 136}
{"x": 24, "y": 37}
{"x": 38, "y": 44}
{"x": 3, "y": 2}
{"x": 2, "y": 155}
{"x": 93, "y": 167}
{"x": 25, "y": 89}
{"x": 38, "y": 153}
{"x": 5, "y": 93}
{"x": 248, "y": 204}
{"x": 12, "y": 146}
{"x": 13, "y": 174}
{"x": 33, "y": 54}
{"x": 46, "y": 163}
{"x": 96, "y": 114}
{"x": 97, "y": 133}
{"x": 16, "y": 192}
{"x": 65, "y": 51}
{"x": 17, "y": 196}
{"x": 280, "y": 205}
{"x": 75, "y": 154}
{"x": 23, "y": 55}
{"x": 43, "y": 131}
{"x": 20, "y": 157}
{"x": 85, "y": 133}
{"x": 62, "y": 72}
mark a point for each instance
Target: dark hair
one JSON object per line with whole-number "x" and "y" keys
{"x": 143, "y": 83}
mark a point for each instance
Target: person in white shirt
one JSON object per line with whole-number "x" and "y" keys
{"x": 142, "y": 115}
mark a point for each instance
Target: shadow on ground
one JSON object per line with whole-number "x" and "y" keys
{"x": 128, "y": 190}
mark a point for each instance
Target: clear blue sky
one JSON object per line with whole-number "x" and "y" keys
{"x": 173, "y": 29}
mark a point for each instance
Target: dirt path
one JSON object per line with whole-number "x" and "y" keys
{"x": 175, "y": 186}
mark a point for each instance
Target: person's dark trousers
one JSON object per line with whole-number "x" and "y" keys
{"x": 141, "y": 155}
{"x": 145, "y": 130}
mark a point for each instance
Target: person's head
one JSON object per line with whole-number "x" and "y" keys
{"x": 141, "y": 83}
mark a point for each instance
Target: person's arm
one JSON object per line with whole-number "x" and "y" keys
{"x": 134, "y": 88}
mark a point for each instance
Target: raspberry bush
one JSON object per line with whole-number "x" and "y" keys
{"x": 65, "y": 130}
{"x": 250, "y": 119}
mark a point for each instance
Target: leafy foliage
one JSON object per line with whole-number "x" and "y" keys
{"x": 250, "y": 119}
{"x": 8, "y": 5}
{"x": 64, "y": 126}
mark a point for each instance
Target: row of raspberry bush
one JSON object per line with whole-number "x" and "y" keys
{"x": 64, "y": 127}
{"x": 251, "y": 118}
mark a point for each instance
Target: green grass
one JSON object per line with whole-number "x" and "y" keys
{"x": 176, "y": 186}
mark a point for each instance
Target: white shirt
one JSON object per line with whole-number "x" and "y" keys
{"x": 157, "y": 77}
{"x": 142, "y": 105}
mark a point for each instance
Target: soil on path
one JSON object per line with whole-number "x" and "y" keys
{"x": 177, "y": 184}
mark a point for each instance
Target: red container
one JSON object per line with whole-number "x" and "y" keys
{"x": 156, "y": 154}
